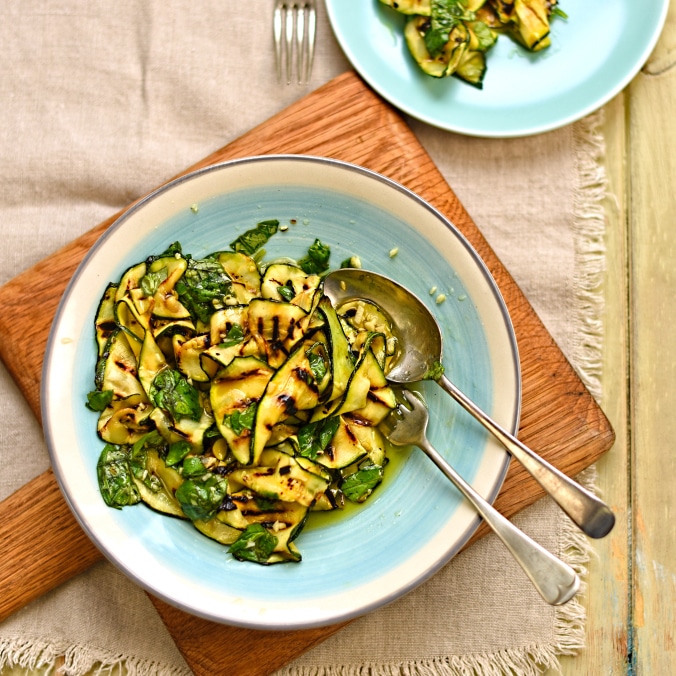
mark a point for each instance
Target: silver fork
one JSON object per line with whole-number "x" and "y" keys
{"x": 555, "y": 580}
{"x": 294, "y": 27}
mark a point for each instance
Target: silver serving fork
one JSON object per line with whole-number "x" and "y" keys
{"x": 555, "y": 580}
{"x": 295, "y": 29}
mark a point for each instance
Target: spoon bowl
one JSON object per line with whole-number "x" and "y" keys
{"x": 417, "y": 331}
{"x": 419, "y": 357}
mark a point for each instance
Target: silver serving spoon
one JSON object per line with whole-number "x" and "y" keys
{"x": 420, "y": 358}
{"x": 555, "y": 580}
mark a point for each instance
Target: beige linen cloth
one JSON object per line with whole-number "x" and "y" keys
{"x": 102, "y": 101}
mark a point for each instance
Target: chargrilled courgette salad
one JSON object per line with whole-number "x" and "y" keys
{"x": 234, "y": 395}
{"x": 452, "y": 37}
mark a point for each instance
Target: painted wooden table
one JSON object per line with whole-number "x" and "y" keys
{"x": 632, "y": 584}
{"x": 632, "y": 581}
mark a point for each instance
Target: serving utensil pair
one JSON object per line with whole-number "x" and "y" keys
{"x": 420, "y": 359}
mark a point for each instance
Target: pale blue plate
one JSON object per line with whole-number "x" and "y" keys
{"x": 593, "y": 56}
{"x": 415, "y": 521}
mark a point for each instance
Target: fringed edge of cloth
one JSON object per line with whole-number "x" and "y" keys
{"x": 589, "y": 205}
{"x": 76, "y": 660}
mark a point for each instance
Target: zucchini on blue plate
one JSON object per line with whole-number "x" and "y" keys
{"x": 235, "y": 396}
{"x": 452, "y": 37}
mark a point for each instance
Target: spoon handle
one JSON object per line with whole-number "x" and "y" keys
{"x": 555, "y": 580}
{"x": 590, "y": 514}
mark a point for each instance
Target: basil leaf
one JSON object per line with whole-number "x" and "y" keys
{"x": 254, "y": 544}
{"x": 97, "y": 400}
{"x": 317, "y": 259}
{"x": 484, "y": 35}
{"x": 177, "y": 451}
{"x": 173, "y": 249}
{"x": 138, "y": 458}
{"x": 210, "y": 436}
{"x": 286, "y": 292}
{"x": 358, "y": 486}
{"x": 318, "y": 364}
{"x": 200, "y": 497}
{"x": 250, "y": 241}
{"x": 238, "y": 421}
{"x": 171, "y": 391}
{"x": 115, "y": 477}
{"x": 445, "y": 16}
{"x": 151, "y": 281}
{"x": 203, "y": 287}
{"x": 151, "y": 440}
{"x": 193, "y": 467}
{"x": 314, "y": 437}
{"x": 233, "y": 337}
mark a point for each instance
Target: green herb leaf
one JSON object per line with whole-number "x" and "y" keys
{"x": 317, "y": 259}
{"x": 252, "y": 240}
{"x": 193, "y": 467}
{"x": 177, "y": 451}
{"x": 318, "y": 364}
{"x": 234, "y": 336}
{"x": 445, "y": 16}
{"x": 314, "y": 437}
{"x": 151, "y": 440}
{"x": 115, "y": 477}
{"x": 201, "y": 497}
{"x": 171, "y": 391}
{"x": 486, "y": 37}
{"x": 97, "y": 400}
{"x": 173, "y": 249}
{"x": 211, "y": 435}
{"x": 203, "y": 287}
{"x": 151, "y": 281}
{"x": 238, "y": 421}
{"x": 138, "y": 457}
{"x": 254, "y": 544}
{"x": 286, "y": 292}
{"x": 358, "y": 486}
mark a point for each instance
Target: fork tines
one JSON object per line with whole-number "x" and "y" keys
{"x": 294, "y": 28}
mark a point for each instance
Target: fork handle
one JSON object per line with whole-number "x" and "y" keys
{"x": 586, "y": 510}
{"x": 555, "y": 580}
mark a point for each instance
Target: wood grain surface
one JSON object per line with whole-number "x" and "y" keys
{"x": 347, "y": 121}
{"x": 652, "y": 306}
{"x": 41, "y": 543}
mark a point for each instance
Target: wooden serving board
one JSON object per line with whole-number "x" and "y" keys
{"x": 345, "y": 120}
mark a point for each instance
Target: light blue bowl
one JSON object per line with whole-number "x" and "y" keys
{"x": 416, "y": 521}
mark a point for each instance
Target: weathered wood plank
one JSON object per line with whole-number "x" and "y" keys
{"x": 653, "y": 357}
{"x": 35, "y": 524}
{"x": 607, "y": 598}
